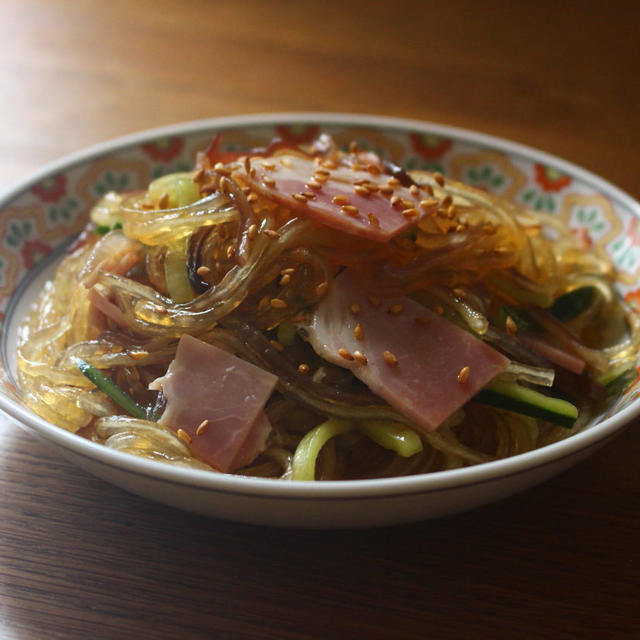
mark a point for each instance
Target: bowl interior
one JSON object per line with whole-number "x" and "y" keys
{"x": 38, "y": 218}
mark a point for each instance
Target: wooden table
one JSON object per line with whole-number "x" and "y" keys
{"x": 82, "y": 559}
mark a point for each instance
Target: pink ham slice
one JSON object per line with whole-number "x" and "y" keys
{"x": 430, "y": 351}
{"x": 206, "y": 383}
{"x": 339, "y": 197}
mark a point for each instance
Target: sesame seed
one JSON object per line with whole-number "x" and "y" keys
{"x": 349, "y": 209}
{"x": 285, "y": 280}
{"x": 271, "y": 233}
{"x": 276, "y": 345}
{"x": 373, "y": 219}
{"x": 463, "y": 375}
{"x": 428, "y": 189}
{"x": 439, "y": 178}
{"x": 138, "y": 355}
{"x": 163, "y": 200}
{"x": 286, "y": 162}
{"x": 446, "y": 201}
{"x": 396, "y": 309}
{"x": 299, "y": 197}
{"x": 184, "y": 436}
{"x": 309, "y": 194}
{"x": 252, "y": 197}
{"x": 410, "y": 213}
{"x": 278, "y": 303}
{"x": 321, "y": 171}
{"x": 268, "y": 181}
{"x": 451, "y": 212}
{"x": 147, "y": 205}
{"x": 395, "y": 201}
{"x": 340, "y": 199}
{"x": 269, "y": 165}
{"x": 461, "y": 227}
{"x": 355, "y": 308}
{"x": 393, "y": 182}
{"x": 386, "y": 191}
{"x": 353, "y": 146}
{"x": 438, "y": 310}
{"x": 288, "y": 270}
{"x": 356, "y": 166}
{"x": 328, "y": 164}
{"x": 358, "y": 332}
{"x": 374, "y": 169}
{"x": 203, "y": 271}
{"x": 321, "y": 289}
{"x": 218, "y": 167}
{"x": 510, "y": 326}
{"x": 247, "y": 165}
{"x": 358, "y": 356}
{"x": 314, "y": 184}
{"x": 264, "y": 303}
{"x": 427, "y": 203}
{"x": 389, "y": 358}
{"x": 252, "y": 231}
{"x": 303, "y": 368}
{"x": 414, "y": 190}
{"x": 361, "y": 191}
{"x": 202, "y": 427}
{"x": 198, "y": 175}
{"x": 460, "y": 293}
{"x": 372, "y": 187}
{"x": 343, "y": 353}
{"x": 320, "y": 177}
{"x": 252, "y": 173}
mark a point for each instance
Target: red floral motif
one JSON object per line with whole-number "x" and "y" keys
{"x": 51, "y": 189}
{"x": 429, "y": 146}
{"x": 583, "y": 237}
{"x": 164, "y": 150}
{"x": 633, "y": 299}
{"x": 32, "y": 251}
{"x": 633, "y": 233}
{"x": 294, "y": 136}
{"x": 551, "y": 179}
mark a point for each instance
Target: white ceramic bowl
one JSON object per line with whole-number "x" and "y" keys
{"x": 38, "y": 217}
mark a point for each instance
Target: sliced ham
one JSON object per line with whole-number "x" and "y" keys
{"x": 554, "y": 354}
{"x": 426, "y": 382}
{"x": 361, "y": 201}
{"x": 207, "y": 383}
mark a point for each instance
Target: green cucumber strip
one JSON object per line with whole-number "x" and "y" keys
{"x": 513, "y": 397}
{"x": 106, "y": 385}
{"x": 620, "y": 372}
{"x": 392, "y": 435}
{"x": 304, "y": 459}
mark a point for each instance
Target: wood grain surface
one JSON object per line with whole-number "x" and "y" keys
{"x": 82, "y": 559}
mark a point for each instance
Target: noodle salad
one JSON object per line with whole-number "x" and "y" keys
{"x": 311, "y": 313}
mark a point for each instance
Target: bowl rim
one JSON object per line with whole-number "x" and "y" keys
{"x": 396, "y": 487}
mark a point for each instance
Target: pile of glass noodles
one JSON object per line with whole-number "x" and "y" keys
{"x": 250, "y": 254}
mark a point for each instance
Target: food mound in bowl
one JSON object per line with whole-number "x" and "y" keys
{"x": 307, "y": 313}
